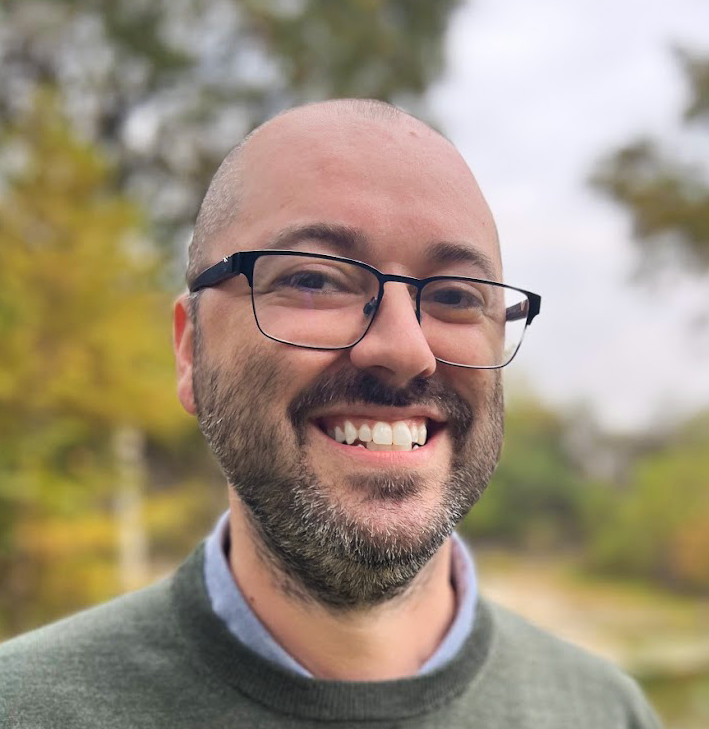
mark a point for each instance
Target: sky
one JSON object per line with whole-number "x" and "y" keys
{"x": 534, "y": 95}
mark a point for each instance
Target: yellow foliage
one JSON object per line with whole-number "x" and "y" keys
{"x": 84, "y": 323}
{"x": 85, "y": 352}
{"x": 58, "y": 566}
{"x": 52, "y": 539}
{"x": 178, "y": 519}
{"x": 61, "y": 564}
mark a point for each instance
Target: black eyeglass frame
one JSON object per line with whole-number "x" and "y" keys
{"x": 243, "y": 262}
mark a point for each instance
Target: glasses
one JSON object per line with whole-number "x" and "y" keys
{"x": 328, "y": 302}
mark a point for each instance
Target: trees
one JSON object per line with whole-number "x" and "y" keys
{"x": 667, "y": 198}
{"x": 635, "y": 507}
{"x": 168, "y": 86}
{"x": 656, "y": 526}
{"x": 85, "y": 341}
{"x": 535, "y": 498}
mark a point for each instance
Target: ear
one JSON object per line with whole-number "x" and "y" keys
{"x": 183, "y": 345}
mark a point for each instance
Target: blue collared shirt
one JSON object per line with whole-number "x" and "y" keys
{"x": 229, "y": 604}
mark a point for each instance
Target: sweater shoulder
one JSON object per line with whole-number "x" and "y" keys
{"x": 527, "y": 640}
{"x": 112, "y": 623}
{"x": 543, "y": 666}
{"x": 89, "y": 648}
{"x": 79, "y": 671}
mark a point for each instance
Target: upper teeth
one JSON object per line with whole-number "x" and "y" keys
{"x": 398, "y": 435}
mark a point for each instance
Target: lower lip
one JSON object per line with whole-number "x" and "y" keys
{"x": 414, "y": 457}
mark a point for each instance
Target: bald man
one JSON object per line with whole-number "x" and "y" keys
{"x": 341, "y": 345}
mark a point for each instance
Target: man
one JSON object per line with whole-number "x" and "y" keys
{"x": 341, "y": 348}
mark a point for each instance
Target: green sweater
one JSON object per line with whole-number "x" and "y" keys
{"x": 161, "y": 658}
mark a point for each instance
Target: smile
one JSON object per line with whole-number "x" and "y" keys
{"x": 377, "y": 435}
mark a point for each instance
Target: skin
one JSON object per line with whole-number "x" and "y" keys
{"x": 404, "y": 187}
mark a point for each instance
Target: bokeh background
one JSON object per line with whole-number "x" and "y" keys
{"x": 587, "y": 124}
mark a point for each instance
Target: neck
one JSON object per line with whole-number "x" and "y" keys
{"x": 389, "y": 641}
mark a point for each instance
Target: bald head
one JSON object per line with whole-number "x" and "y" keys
{"x": 221, "y": 203}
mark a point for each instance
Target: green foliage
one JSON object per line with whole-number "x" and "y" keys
{"x": 535, "y": 497}
{"x": 377, "y": 48}
{"x": 649, "y": 521}
{"x": 169, "y": 87}
{"x": 656, "y": 526}
{"x": 668, "y": 199}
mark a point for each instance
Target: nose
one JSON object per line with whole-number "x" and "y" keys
{"x": 395, "y": 349}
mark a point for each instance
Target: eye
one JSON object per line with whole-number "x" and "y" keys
{"x": 456, "y": 301}
{"x": 457, "y": 298}
{"x": 318, "y": 281}
{"x": 299, "y": 277}
{"x": 312, "y": 280}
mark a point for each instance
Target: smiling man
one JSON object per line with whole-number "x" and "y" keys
{"x": 341, "y": 346}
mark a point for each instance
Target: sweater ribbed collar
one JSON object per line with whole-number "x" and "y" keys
{"x": 217, "y": 651}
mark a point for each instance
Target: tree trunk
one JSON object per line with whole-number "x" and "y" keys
{"x": 129, "y": 449}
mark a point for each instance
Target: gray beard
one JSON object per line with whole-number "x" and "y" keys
{"x": 313, "y": 547}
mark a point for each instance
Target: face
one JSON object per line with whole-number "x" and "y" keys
{"x": 347, "y": 524}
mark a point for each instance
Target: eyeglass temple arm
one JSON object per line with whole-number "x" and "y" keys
{"x": 226, "y": 268}
{"x": 526, "y": 309}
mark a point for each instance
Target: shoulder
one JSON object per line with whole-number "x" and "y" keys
{"x": 120, "y": 619}
{"x": 58, "y": 670}
{"x": 530, "y": 642}
{"x": 554, "y": 672}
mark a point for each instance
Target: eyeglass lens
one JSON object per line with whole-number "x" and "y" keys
{"x": 328, "y": 304}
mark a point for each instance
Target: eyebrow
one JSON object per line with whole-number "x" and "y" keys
{"x": 443, "y": 252}
{"x": 344, "y": 240}
{"x": 353, "y": 243}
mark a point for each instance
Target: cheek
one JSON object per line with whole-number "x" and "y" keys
{"x": 482, "y": 391}
{"x": 229, "y": 326}
{"x": 474, "y": 386}
{"x": 275, "y": 374}
{"x": 303, "y": 367}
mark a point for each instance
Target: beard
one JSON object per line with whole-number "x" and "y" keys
{"x": 315, "y": 546}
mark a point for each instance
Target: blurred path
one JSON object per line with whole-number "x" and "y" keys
{"x": 648, "y": 632}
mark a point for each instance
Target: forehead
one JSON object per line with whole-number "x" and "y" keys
{"x": 401, "y": 186}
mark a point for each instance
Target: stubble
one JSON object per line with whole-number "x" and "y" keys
{"x": 315, "y": 546}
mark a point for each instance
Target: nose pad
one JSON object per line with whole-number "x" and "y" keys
{"x": 395, "y": 349}
{"x": 370, "y": 307}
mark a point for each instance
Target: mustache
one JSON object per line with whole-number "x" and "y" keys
{"x": 352, "y": 387}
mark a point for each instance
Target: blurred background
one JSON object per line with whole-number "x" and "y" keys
{"x": 587, "y": 125}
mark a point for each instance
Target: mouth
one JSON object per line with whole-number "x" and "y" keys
{"x": 375, "y": 434}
